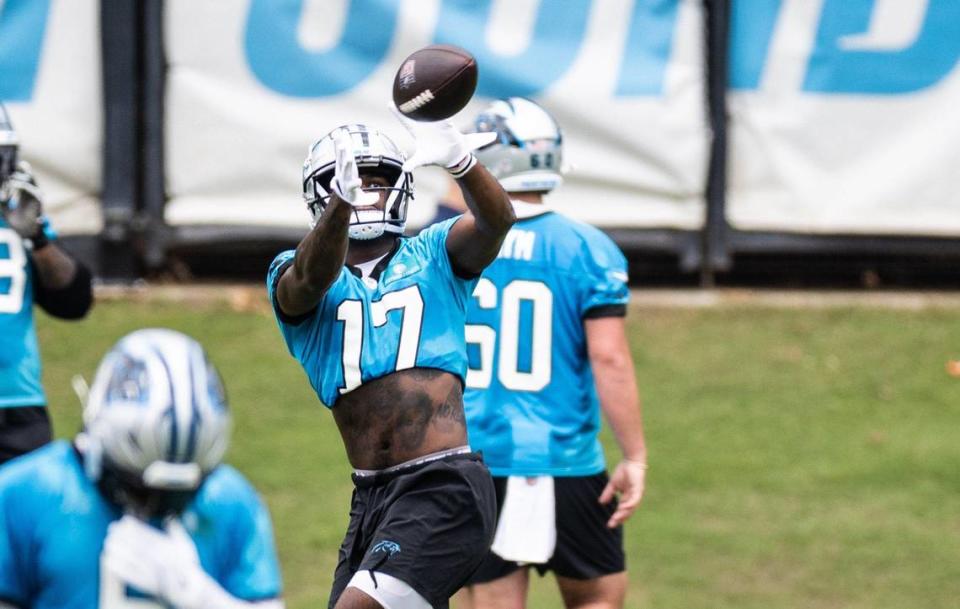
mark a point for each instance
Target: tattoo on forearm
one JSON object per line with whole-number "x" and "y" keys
{"x": 323, "y": 251}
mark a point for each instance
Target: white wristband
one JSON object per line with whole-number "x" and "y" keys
{"x": 460, "y": 169}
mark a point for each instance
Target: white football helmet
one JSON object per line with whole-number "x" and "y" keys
{"x": 527, "y": 155}
{"x": 9, "y": 144}
{"x": 375, "y": 153}
{"x": 155, "y": 422}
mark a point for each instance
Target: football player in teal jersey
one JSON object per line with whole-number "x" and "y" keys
{"x": 33, "y": 270}
{"x": 138, "y": 511}
{"x": 549, "y": 353}
{"x": 376, "y": 320}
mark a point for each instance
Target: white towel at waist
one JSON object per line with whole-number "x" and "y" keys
{"x": 527, "y": 529}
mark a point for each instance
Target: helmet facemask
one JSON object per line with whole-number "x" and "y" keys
{"x": 376, "y": 155}
{"x": 8, "y": 162}
{"x": 8, "y": 147}
{"x": 129, "y": 490}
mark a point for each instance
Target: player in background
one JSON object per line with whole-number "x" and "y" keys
{"x": 376, "y": 321}
{"x": 138, "y": 511}
{"x": 33, "y": 269}
{"x": 549, "y": 352}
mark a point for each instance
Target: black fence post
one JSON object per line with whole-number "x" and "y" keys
{"x": 119, "y": 27}
{"x": 154, "y": 69}
{"x": 716, "y": 247}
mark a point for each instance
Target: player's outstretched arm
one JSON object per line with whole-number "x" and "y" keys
{"x": 65, "y": 286}
{"x": 321, "y": 254}
{"x": 319, "y": 258}
{"x": 616, "y": 384}
{"x": 474, "y": 241}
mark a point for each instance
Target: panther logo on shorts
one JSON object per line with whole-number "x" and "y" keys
{"x": 389, "y": 547}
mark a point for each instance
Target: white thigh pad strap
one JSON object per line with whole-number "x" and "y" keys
{"x": 389, "y": 591}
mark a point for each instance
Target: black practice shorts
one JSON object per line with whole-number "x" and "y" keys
{"x": 428, "y": 525}
{"x": 586, "y": 548}
{"x": 23, "y": 429}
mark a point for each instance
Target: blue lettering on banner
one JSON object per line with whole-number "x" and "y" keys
{"x": 930, "y": 56}
{"x": 557, "y": 36}
{"x": 751, "y": 29}
{"x": 22, "y": 26}
{"x": 280, "y": 62}
{"x": 847, "y": 57}
{"x": 650, "y": 41}
{"x": 834, "y": 66}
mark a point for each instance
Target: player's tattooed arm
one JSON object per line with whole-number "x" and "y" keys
{"x": 319, "y": 258}
{"x": 475, "y": 239}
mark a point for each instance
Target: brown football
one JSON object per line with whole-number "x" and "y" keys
{"x": 435, "y": 82}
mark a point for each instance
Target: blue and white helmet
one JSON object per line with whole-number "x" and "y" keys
{"x": 375, "y": 153}
{"x": 9, "y": 143}
{"x": 155, "y": 421}
{"x": 527, "y": 155}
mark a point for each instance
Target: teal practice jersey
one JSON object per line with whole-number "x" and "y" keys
{"x": 19, "y": 352}
{"x": 53, "y": 522}
{"x": 530, "y": 402}
{"x": 409, "y": 313}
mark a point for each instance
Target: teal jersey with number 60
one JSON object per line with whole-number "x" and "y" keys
{"x": 531, "y": 404}
{"x": 409, "y": 313}
{"x": 19, "y": 352}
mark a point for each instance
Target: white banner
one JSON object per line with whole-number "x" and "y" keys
{"x": 844, "y": 117}
{"x": 51, "y": 85}
{"x": 252, "y": 84}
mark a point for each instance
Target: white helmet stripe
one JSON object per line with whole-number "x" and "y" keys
{"x": 171, "y": 411}
{"x": 197, "y": 369}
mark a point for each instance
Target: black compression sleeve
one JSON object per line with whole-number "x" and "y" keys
{"x": 71, "y": 301}
{"x": 610, "y": 310}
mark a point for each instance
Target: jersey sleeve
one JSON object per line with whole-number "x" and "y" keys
{"x": 298, "y": 332}
{"x": 253, "y": 572}
{"x": 604, "y": 291}
{"x": 280, "y": 264}
{"x": 15, "y": 550}
{"x": 432, "y": 243}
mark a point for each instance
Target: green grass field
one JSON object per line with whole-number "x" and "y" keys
{"x": 798, "y": 459}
